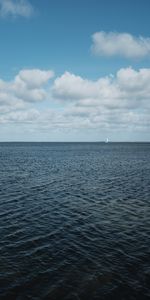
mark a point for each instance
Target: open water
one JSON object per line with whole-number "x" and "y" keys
{"x": 75, "y": 221}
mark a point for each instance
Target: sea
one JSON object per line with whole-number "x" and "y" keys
{"x": 75, "y": 221}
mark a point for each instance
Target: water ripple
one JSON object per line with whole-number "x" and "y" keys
{"x": 74, "y": 221}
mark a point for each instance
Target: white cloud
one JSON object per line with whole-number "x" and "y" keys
{"x": 122, "y": 100}
{"x": 34, "y": 78}
{"x": 14, "y": 8}
{"x": 118, "y": 103}
{"x": 28, "y": 86}
{"x": 127, "y": 89}
{"x": 72, "y": 87}
{"x": 122, "y": 44}
{"x": 20, "y": 116}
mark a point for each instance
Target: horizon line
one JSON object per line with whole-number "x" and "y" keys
{"x": 103, "y": 141}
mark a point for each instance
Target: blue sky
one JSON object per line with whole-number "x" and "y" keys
{"x": 85, "y": 89}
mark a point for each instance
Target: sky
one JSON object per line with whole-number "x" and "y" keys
{"x": 74, "y": 70}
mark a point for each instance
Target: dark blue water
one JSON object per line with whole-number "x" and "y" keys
{"x": 74, "y": 221}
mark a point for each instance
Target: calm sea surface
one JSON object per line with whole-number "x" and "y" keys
{"x": 75, "y": 221}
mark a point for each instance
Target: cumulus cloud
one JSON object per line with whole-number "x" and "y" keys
{"x": 111, "y": 103}
{"x": 20, "y": 116}
{"x": 14, "y": 8}
{"x": 28, "y": 86}
{"x": 34, "y": 78}
{"x": 122, "y": 44}
{"x": 122, "y": 100}
{"x": 127, "y": 89}
{"x": 72, "y": 87}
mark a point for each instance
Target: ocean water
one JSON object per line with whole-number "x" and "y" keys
{"x": 75, "y": 221}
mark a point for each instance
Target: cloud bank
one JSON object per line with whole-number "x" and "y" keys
{"x": 129, "y": 88}
{"x": 119, "y": 103}
{"x": 14, "y": 8}
{"x": 122, "y": 44}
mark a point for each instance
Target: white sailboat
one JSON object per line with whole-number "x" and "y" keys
{"x": 107, "y": 140}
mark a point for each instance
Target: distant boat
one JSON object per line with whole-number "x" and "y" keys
{"x": 107, "y": 140}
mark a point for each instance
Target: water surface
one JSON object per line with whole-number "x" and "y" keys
{"x": 74, "y": 221}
